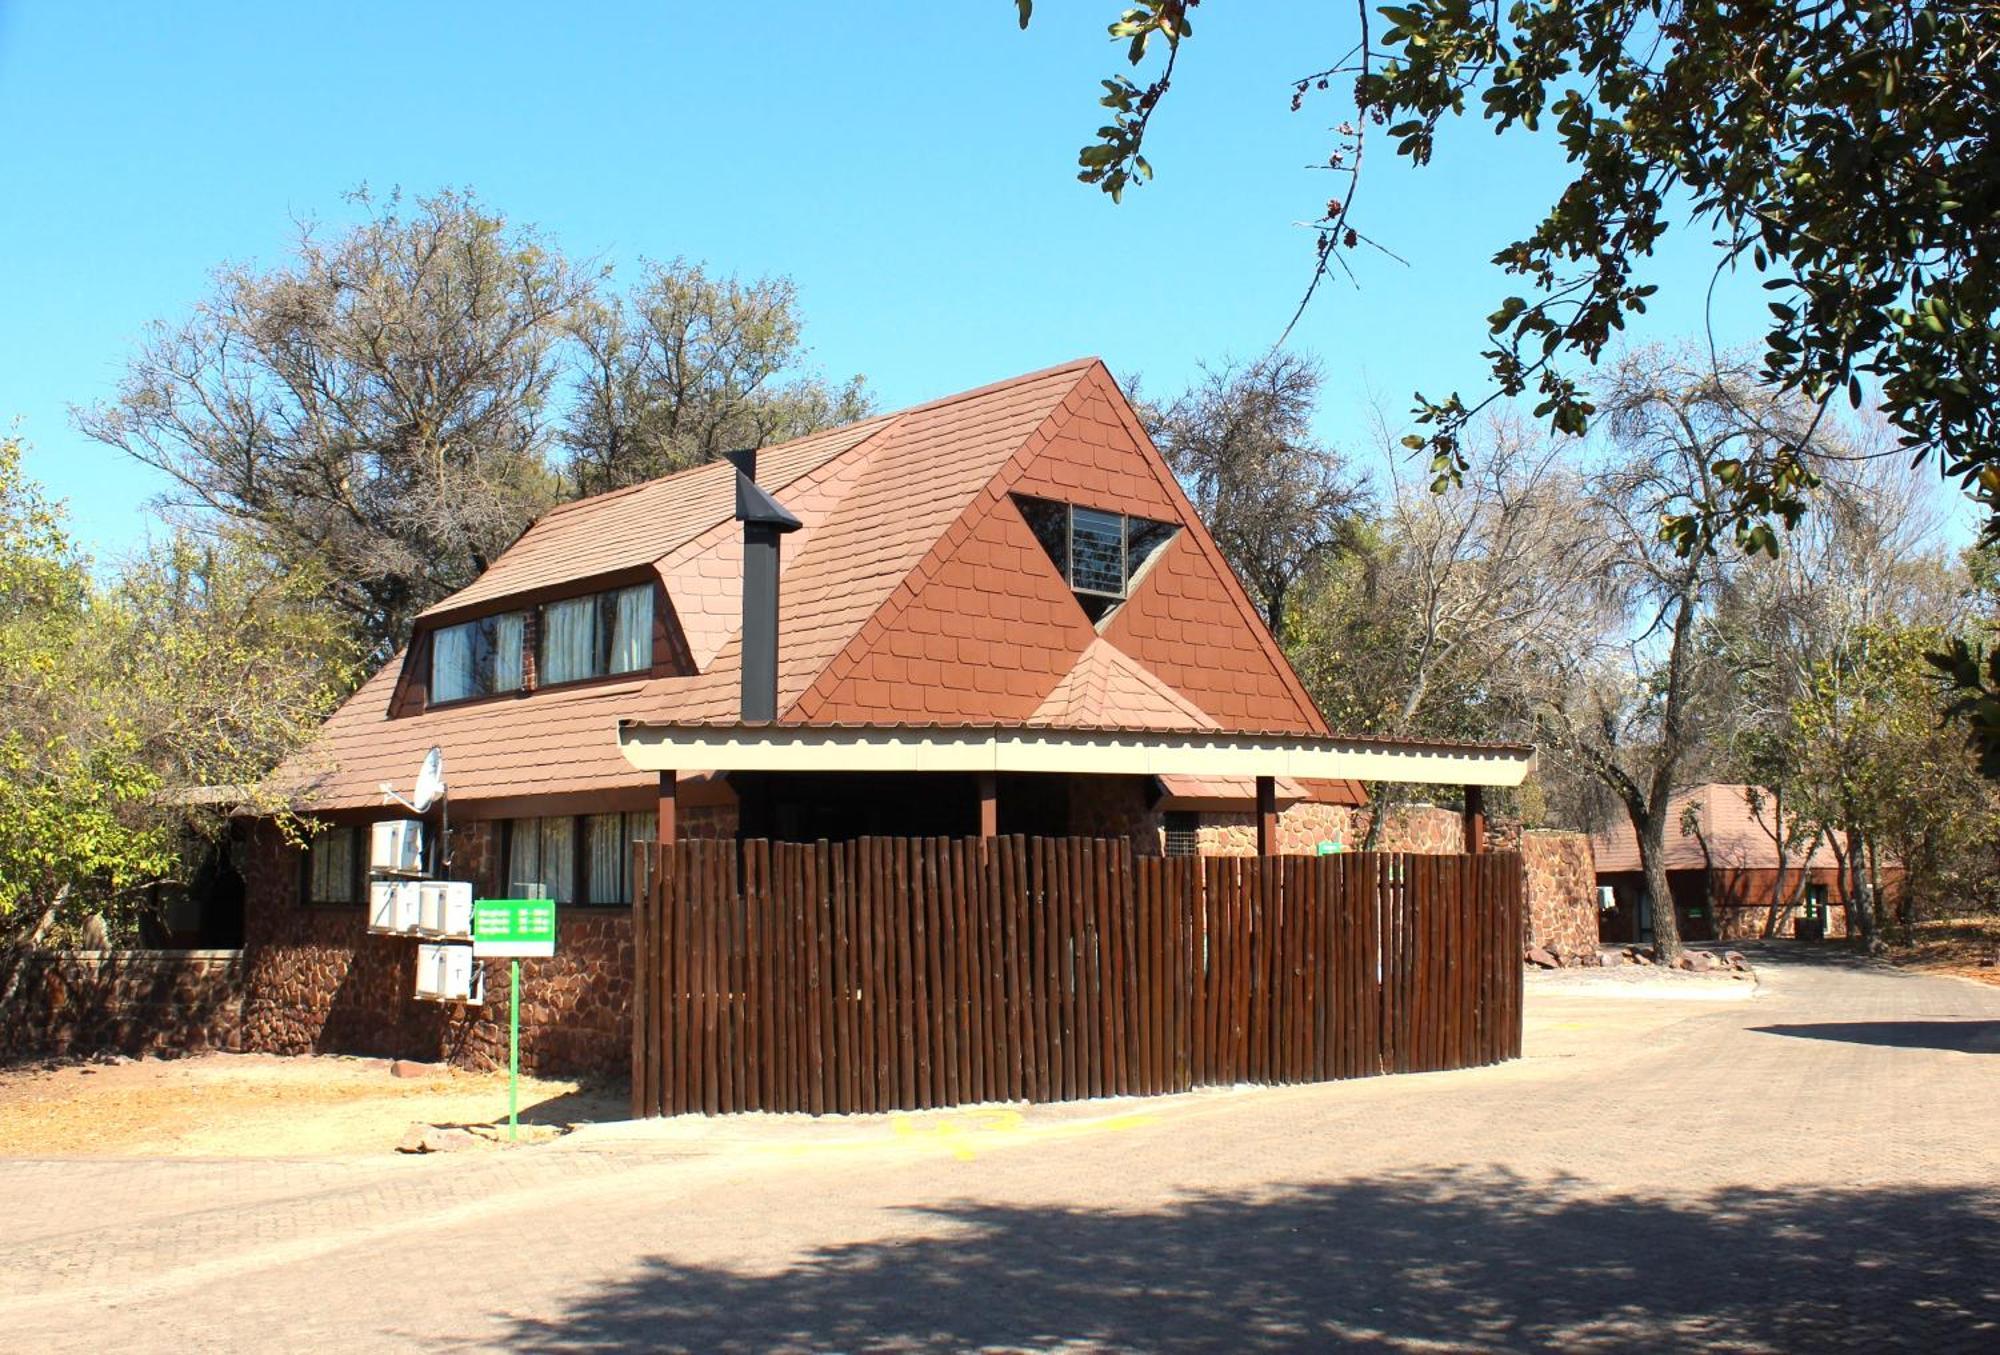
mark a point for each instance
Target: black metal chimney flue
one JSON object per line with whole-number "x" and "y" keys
{"x": 764, "y": 520}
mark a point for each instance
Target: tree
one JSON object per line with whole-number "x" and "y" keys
{"x": 1638, "y": 709}
{"x": 375, "y": 409}
{"x": 1451, "y": 604}
{"x": 1278, "y": 502}
{"x": 140, "y": 712}
{"x": 71, "y": 783}
{"x": 686, "y": 367}
{"x": 1844, "y": 150}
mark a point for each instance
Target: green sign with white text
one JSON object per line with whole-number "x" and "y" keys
{"x": 503, "y": 928}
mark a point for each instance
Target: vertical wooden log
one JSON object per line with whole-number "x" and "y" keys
{"x": 667, "y": 820}
{"x": 1475, "y": 819}
{"x": 1267, "y": 816}
{"x": 989, "y": 805}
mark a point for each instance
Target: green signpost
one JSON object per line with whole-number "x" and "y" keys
{"x": 510, "y": 929}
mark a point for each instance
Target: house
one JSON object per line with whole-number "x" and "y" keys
{"x": 1722, "y": 859}
{"x": 992, "y": 613}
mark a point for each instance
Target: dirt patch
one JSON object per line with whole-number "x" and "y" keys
{"x": 1953, "y": 946}
{"x": 1642, "y": 981}
{"x": 264, "y": 1105}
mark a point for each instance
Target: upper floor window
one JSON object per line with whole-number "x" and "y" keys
{"x": 598, "y": 635}
{"x": 478, "y": 658}
{"x": 1099, "y": 552}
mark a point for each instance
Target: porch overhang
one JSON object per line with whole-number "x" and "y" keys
{"x": 669, "y": 747}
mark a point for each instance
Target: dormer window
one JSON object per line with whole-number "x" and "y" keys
{"x": 1099, "y": 553}
{"x": 597, "y": 636}
{"x": 478, "y": 658}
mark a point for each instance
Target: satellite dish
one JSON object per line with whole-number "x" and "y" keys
{"x": 430, "y": 784}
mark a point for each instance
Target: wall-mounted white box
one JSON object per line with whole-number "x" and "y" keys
{"x": 396, "y": 847}
{"x": 445, "y": 909}
{"x": 393, "y": 906}
{"x": 447, "y": 973}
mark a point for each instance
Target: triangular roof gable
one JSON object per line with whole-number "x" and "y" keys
{"x": 991, "y": 629}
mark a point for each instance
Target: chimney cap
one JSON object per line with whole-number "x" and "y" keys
{"x": 753, "y": 505}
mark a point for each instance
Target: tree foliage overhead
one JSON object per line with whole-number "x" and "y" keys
{"x": 1844, "y": 150}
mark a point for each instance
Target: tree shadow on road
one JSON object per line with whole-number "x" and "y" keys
{"x": 1965, "y": 1037}
{"x": 1465, "y": 1260}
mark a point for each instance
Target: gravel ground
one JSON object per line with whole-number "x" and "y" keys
{"x": 258, "y": 1105}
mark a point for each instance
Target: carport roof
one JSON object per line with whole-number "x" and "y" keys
{"x": 1111, "y": 751}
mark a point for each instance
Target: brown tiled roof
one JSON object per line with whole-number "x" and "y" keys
{"x": 912, "y": 592}
{"x": 1110, "y": 688}
{"x": 645, "y": 522}
{"x": 1737, "y": 839}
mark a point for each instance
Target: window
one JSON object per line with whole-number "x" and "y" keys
{"x": 1099, "y": 553}
{"x": 478, "y": 658}
{"x": 598, "y": 635}
{"x": 1183, "y": 833}
{"x": 609, "y": 839}
{"x": 333, "y": 866}
{"x": 541, "y": 858}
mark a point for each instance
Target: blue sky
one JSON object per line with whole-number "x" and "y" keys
{"x": 910, "y": 165}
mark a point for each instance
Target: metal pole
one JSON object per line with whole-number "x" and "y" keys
{"x": 514, "y": 1051}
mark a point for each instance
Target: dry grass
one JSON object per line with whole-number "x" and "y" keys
{"x": 1953, "y": 946}
{"x": 260, "y": 1105}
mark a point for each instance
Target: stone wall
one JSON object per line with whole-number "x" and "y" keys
{"x": 1562, "y": 893}
{"x": 1426, "y": 829}
{"x": 127, "y": 1002}
{"x": 317, "y": 981}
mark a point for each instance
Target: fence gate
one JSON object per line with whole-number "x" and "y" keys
{"x": 907, "y": 973}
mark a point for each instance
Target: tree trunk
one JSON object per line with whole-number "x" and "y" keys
{"x": 1651, "y": 829}
{"x": 1372, "y": 840}
{"x": 1860, "y": 901}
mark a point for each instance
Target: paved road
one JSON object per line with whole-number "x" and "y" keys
{"x": 1818, "y": 1168}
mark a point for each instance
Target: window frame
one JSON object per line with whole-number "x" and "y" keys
{"x": 604, "y": 615}
{"x": 1189, "y": 824}
{"x": 582, "y": 877}
{"x": 1031, "y": 506}
{"x": 357, "y": 867}
{"x": 492, "y": 619}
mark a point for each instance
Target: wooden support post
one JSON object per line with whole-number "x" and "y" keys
{"x": 1475, "y": 818}
{"x": 1267, "y": 816}
{"x": 669, "y": 825}
{"x": 989, "y": 805}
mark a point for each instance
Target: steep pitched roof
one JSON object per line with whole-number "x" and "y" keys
{"x": 887, "y": 504}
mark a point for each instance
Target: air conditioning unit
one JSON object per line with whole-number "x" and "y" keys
{"x": 449, "y": 974}
{"x": 394, "y": 906}
{"x": 445, "y": 909}
{"x": 396, "y": 847}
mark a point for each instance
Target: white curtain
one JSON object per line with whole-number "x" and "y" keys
{"x": 606, "y": 836}
{"x": 569, "y": 640}
{"x": 524, "y": 855}
{"x": 509, "y": 631}
{"x": 559, "y": 859}
{"x": 451, "y": 664}
{"x": 632, "y": 632}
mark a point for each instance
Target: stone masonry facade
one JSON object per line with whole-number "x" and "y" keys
{"x": 129, "y": 1002}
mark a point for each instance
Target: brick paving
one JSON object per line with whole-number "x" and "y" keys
{"x": 1817, "y": 1168}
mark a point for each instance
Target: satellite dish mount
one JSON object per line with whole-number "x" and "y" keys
{"x": 430, "y": 790}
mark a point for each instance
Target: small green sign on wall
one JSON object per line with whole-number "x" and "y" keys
{"x": 513, "y": 928}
